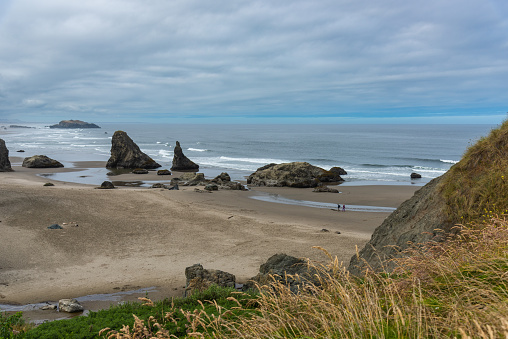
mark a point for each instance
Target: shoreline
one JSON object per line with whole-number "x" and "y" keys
{"x": 132, "y": 238}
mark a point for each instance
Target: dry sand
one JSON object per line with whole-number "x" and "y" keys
{"x": 129, "y": 238}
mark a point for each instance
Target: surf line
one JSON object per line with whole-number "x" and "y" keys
{"x": 356, "y": 208}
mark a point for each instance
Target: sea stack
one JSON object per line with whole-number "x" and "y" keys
{"x": 181, "y": 162}
{"x": 126, "y": 154}
{"x": 5, "y": 164}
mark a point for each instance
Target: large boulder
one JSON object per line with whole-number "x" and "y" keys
{"x": 126, "y": 154}
{"x": 198, "y": 278}
{"x": 69, "y": 305}
{"x": 222, "y": 178}
{"x": 106, "y": 185}
{"x": 181, "y": 162}
{"x": 338, "y": 170}
{"x": 5, "y": 164}
{"x": 41, "y": 161}
{"x": 294, "y": 174}
{"x": 293, "y": 272}
{"x": 74, "y": 124}
{"x": 194, "y": 179}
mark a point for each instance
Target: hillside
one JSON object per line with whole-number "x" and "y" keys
{"x": 473, "y": 190}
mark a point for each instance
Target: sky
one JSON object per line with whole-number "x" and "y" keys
{"x": 254, "y": 61}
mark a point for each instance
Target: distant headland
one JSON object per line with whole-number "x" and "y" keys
{"x": 74, "y": 124}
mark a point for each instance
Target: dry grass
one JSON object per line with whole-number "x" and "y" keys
{"x": 476, "y": 188}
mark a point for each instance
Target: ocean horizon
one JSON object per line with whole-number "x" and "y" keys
{"x": 370, "y": 153}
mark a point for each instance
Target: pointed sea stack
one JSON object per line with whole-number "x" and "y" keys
{"x": 474, "y": 185}
{"x": 126, "y": 154}
{"x": 181, "y": 162}
{"x": 5, "y": 164}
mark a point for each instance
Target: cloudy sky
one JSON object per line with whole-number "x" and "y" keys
{"x": 256, "y": 60}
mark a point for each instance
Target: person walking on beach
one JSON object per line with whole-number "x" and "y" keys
{"x": 338, "y": 208}
{"x": 343, "y": 208}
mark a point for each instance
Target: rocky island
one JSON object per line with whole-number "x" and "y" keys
{"x": 74, "y": 124}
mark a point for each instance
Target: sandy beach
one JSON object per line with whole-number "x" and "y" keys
{"x": 130, "y": 238}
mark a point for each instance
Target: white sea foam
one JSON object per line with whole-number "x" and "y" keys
{"x": 254, "y": 160}
{"x": 196, "y": 149}
{"x": 165, "y": 154}
{"x": 448, "y": 161}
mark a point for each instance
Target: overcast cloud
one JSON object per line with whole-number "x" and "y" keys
{"x": 132, "y": 59}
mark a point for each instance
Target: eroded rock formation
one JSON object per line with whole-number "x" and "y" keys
{"x": 181, "y": 162}
{"x": 126, "y": 154}
{"x": 417, "y": 220}
{"x": 293, "y": 271}
{"x": 294, "y": 174}
{"x": 41, "y": 161}
{"x": 198, "y": 278}
{"x": 5, "y": 164}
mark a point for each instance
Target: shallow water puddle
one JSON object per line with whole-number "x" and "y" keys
{"x": 92, "y": 302}
{"x": 356, "y": 208}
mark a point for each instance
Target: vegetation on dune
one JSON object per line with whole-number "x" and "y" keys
{"x": 177, "y": 316}
{"x": 476, "y": 188}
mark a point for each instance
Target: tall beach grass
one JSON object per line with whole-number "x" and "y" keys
{"x": 453, "y": 289}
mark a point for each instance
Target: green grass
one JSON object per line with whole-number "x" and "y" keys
{"x": 168, "y": 312}
{"x": 8, "y": 323}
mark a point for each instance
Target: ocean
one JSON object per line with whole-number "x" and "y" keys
{"x": 371, "y": 154}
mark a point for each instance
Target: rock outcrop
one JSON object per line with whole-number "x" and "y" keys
{"x": 140, "y": 171}
{"x": 181, "y": 162}
{"x": 415, "y": 175}
{"x": 221, "y": 178}
{"x": 41, "y": 161}
{"x": 106, "y": 185}
{"x": 294, "y": 174}
{"x": 126, "y": 154}
{"x": 338, "y": 170}
{"x": 325, "y": 189}
{"x": 198, "y": 278}
{"x": 294, "y": 272}
{"x": 417, "y": 220}
{"x": 5, "y": 164}
{"x": 74, "y": 124}
{"x": 194, "y": 179}
{"x": 222, "y": 181}
{"x": 462, "y": 195}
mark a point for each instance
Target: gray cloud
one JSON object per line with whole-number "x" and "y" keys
{"x": 244, "y": 58}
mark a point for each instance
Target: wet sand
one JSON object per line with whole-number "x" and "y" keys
{"x": 131, "y": 238}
